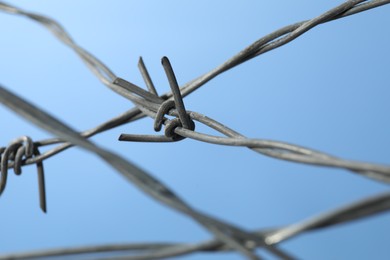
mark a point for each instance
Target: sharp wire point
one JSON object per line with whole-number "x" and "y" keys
{"x": 146, "y": 76}
{"x": 184, "y": 118}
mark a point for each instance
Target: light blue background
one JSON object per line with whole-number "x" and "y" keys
{"x": 327, "y": 90}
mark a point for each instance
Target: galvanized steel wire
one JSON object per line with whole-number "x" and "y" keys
{"x": 23, "y": 151}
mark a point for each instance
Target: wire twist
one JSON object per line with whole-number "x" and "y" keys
{"x": 15, "y": 154}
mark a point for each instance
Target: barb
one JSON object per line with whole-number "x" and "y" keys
{"x": 146, "y": 77}
{"x": 18, "y": 150}
{"x": 183, "y": 119}
{"x": 179, "y": 104}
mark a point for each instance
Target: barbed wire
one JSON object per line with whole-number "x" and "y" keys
{"x": 23, "y": 151}
{"x": 362, "y": 208}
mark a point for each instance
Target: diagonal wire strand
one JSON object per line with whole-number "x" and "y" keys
{"x": 361, "y": 209}
{"x": 134, "y": 174}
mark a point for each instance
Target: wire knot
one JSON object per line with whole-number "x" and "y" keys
{"x": 171, "y": 124}
{"x": 17, "y": 152}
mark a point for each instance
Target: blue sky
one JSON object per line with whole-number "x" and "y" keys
{"x": 327, "y": 90}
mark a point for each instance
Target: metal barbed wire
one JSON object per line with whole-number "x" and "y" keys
{"x": 362, "y": 208}
{"x": 149, "y": 103}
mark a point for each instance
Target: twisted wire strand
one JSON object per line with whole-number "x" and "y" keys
{"x": 274, "y": 40}
{"x": 149, "y": 103}
{"x": 363, "y": 208}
